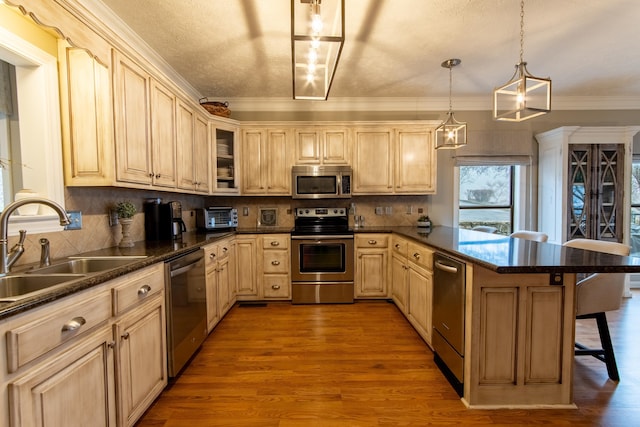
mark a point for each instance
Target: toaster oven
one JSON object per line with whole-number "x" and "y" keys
{"x": 215, "y": 218}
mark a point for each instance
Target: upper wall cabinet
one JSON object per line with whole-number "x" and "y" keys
{"x": 266, "y": 162}
{"x": 322, "y": 146}
{"x": 394, "y": 160}
{"x": 87, "y": 119}
{"x": 225, "y": 161}
{"x": 163, "y": 135}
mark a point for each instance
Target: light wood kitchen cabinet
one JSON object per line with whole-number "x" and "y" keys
{"x": 420, "y": 281}
{"x": 415, "y": 171}
{"x": 225, "y": 159}
{"x": 266, "y": 162}
{"x": 140, "y": 332}
{"x": 322, "y": 146}
{"x": 86, "y": 118}
{"x": 399, "y": 272}
{"x": 73, "y": 388}
{"x": 219, "y": 295}
{"x": 393, "y": 160}
{"x": 246, "y": 262}
{"x": 163, "y": 136}
{"x": 192, "y": 150}
{"x": 373, "y": 161}
{"x": 275, "y": 271}
{"x": 372, "y": 265}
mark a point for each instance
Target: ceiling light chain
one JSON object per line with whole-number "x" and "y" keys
{"x": 524, "y": 96}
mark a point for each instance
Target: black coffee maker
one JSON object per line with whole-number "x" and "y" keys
{"x": 163, "y": 221}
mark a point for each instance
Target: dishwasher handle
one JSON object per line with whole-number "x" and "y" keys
{"x": 445, "y": 267}
{"x": 184, "y": 268}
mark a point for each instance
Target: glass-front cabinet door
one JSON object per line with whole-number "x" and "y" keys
{"x": 595, "y": 192}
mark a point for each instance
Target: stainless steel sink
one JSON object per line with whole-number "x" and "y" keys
{"x": 15, "y": 287}
{"x": 86, "y": 265}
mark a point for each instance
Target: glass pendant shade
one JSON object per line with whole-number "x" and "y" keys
{"x": 451, "y": 133}
{"x": 317, "y": 37}
{"x": 523, "y": 97}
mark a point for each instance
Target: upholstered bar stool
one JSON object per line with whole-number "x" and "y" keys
{"x": 536, "y": 236}
{"x": 597, "y": 294}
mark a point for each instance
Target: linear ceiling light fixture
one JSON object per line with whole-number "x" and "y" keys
{"x": 451, "y": 133}
{"x": 317, "y": 37}
{"x": 524, "y": 96}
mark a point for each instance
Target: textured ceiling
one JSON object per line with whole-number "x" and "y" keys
{"x": 394, "y": 48}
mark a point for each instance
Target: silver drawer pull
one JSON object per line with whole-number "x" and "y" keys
{"x": 372, "y": 242}
{"x": 275, "y": 262}
{"x": 144, "y": 290}
{"x": 73, "y": 324}
{"x": 416, "y": 255}
{"x": 274, "y": 243}
{"x": 276, "y": 287}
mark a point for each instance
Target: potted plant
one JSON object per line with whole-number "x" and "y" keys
{"x": 126, "y": 210}
{"x": 424, "y": 221}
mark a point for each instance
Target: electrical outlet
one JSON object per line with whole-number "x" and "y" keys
{"x": 113, "y": 218}
{"x": 379, "y": 210}
{"x": 420, "y": 210}
{"x": 388, "y": 210}
{"x": 76, "y": 220}
{"x": 245, "y": 211}
{"x": 409, "y": 209}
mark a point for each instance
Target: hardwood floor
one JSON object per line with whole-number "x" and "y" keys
{"x": 364, "y": 365}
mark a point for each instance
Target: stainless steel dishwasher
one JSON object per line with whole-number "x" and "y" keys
{"x": 186, "y": 308}
{"x": 448, "y": 318}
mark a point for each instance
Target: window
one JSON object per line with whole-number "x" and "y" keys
{"x": 486, "y": 197}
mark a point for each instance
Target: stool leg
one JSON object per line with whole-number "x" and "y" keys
{"x": 607, "y": 346}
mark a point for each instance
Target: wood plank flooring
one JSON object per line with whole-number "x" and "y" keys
{"x": 364, "y": 365}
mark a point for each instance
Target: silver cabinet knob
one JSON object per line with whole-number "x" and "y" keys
{"x": 275, "y": 262}
{"x": 373, "y": 242}
{"x": 74, "y": 324}
{"x": 144, "y": 290}
{"x": 276, "y": 287}
{"x": 125, "y": 336}
{"x": 275, "y": 243}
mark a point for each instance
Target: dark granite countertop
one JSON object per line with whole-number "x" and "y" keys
{"x": 498, "y": 253}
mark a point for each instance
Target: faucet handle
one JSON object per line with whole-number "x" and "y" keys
{"x": 23, "y": 235}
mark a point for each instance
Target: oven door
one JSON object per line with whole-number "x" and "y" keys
{"x": 317, "y": 259}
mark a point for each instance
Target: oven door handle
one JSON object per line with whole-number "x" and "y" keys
{"x": 323, "y": 237}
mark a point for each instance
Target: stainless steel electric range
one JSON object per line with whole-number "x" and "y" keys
{"x": 322, "y": 261}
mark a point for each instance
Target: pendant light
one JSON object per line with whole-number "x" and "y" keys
{"x": 451, "y": 133}
{"x": 524, "y": 96}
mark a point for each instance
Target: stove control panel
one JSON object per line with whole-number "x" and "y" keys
{"x": 320, "y": 212}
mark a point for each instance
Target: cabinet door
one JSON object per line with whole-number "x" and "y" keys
{"x": 335, "y": 147}
{"x": 223, "y": 280}
{"x": 371, "y": 273}
{"x": 131, "y": 104}
{"x": 185, "y": 144}
{"x": 253, "y": 178}
{"x": 247, "y": 283}
{"x": 87, "y": 118}
{"x": 76, "y": 388}
{"x": 212, "y": 297}
{"x": 278, "y": 164}
{"x": 142, "y": 363}
{"x": 163, "y": 135}
{"x": 224, "y": 159}
{"x": 415, "y": 165}
{"x": 201, "y": 155}
{"x": 373, "y": 161}
{"x": 307, "y": 147}
{"x": 596, "y": 182}
{"x": 399, "y": 282}
{"x": 420, "y": 301}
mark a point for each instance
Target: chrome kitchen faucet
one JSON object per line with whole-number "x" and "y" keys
{"x": 9, "y": 257}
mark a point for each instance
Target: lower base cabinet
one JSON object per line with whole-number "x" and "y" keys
{"x": 371, "y": 265}
{"x": 76, "y": 388}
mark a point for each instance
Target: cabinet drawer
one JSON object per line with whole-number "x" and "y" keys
{"x": 210, "y": 256}
{"x": 420, "y": 255}
{"x": 372, "y": 241}
{"x": 276, "y": 286}
{"x": 276, "y": 262}
{"x": 61, "y": 323}
{"x": 137, "y": 287}
{"x": 276, "y": 241}
{"x": 399, "y": 246}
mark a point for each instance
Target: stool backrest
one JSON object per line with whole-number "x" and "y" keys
{"x": 536, "y": 236}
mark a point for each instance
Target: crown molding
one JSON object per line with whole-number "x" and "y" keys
{"x": 483, "y": 103}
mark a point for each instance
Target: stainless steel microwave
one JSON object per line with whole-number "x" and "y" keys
{"x": 321, "y": 182}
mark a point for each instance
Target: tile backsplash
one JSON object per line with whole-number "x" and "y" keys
{"x": 96, "y": 233}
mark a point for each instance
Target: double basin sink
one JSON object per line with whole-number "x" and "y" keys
{"x": 15, "y": 287}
